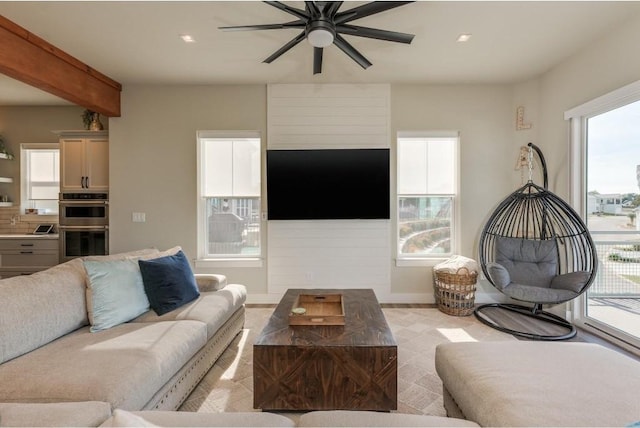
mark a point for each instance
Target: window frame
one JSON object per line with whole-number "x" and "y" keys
{"x": 24, "y": 179}
{"x": 408, "y": 260}
{"x": 204, "y": 259}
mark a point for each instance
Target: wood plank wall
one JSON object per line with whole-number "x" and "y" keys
{"x": 328, "y": 253}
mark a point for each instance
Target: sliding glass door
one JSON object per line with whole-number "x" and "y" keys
{"x": 611, "y": 201}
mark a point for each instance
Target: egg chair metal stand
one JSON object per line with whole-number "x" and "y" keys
{"x": 537, "y": 250}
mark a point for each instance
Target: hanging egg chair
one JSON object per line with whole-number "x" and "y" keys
{"x": 537, "y": 250}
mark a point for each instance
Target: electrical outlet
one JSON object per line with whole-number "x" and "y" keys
{"x": 139, "y": 217}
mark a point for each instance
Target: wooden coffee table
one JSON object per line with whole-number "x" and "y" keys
{"x": 349, "y": 367}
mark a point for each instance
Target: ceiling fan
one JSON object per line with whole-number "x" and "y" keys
{"x": 323, "y": 25}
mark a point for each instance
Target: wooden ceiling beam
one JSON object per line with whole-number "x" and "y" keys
{"x": 32, "y": 60}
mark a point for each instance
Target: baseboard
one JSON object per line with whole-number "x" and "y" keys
{"x": 394, "y": 298}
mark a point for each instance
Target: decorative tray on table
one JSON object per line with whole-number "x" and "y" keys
{"x": 317, "y": 309}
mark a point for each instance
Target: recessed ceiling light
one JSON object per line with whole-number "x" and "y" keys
{"x": 187, "y": 38}
{"x": 464, "y": 37}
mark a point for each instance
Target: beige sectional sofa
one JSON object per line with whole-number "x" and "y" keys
{"x": 526, "y": 383}
{"x": 99, "y": 414}
{"x": 49, "y": 355}
{"x": 61, "y": 365}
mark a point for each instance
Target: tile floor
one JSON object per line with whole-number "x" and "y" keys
{"x": 228, "y": 385}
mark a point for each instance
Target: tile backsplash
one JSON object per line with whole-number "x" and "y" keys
{"x": 12, "y": 222}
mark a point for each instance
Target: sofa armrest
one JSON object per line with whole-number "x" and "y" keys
{"x": 210, "y": 281}
{"x": 66, "y": 414}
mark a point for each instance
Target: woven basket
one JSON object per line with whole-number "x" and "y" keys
{"x": 455, "y": 292}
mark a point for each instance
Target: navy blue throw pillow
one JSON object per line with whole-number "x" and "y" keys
{"x": 168, "y": 282}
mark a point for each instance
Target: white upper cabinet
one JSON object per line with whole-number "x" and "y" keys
{"x": 84, "y": 161}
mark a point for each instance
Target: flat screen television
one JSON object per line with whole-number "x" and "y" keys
{"x": 333, "y": 184}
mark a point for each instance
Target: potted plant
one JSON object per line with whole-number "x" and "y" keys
{"x": 87, "y": 115}
{"x": 91, "y": 120}
{"x": 3, "y": 149}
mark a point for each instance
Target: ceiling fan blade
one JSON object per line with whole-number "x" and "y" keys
{"x": 351, "y": 52}
{"x": 374, "y": 33}
{"x": 331, "y": 8}
{"x": 367, "y": 9}
{"x": 300, "y": 37}
{"x": 312, "y": 8}
{"x": 292, "y": 24}
{"x": 302, "y": 14}
{"x": 317, "y": 60}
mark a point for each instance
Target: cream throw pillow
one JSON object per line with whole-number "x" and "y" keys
{"x": 117, "y": 292}
{"x": 144, "y": 254}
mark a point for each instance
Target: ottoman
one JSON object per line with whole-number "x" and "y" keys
{"x": 539, "y": 383}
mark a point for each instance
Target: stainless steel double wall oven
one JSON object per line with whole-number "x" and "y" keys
{"x": 83, "y": 224}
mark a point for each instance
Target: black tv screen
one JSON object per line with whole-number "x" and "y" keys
{"x": 328, "y": 184}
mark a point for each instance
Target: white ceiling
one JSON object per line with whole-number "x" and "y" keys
{"x": 138, "y": 42}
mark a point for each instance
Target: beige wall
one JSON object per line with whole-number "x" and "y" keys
{"x": 482, "y": 115}
{"x": 153, "y": 163}
{"x": 605, "y": 65}
{"x": 153, "y": 159}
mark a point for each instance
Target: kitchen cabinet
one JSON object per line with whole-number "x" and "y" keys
{"x": 84, "y": 160}
{"x": 26, "y": 254}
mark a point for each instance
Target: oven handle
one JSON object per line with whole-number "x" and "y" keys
{"x": 65, "y": 202}
{"x": 62, "y": 227}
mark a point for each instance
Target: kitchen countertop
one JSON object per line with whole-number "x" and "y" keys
{"x": 28, "y": 236}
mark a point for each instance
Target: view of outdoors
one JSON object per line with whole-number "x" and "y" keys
{"x": 613, "y": 207}
{"x": 233, "y": 226}
{"x": 425, "y": 225}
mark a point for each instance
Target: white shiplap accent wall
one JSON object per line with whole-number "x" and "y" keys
{"x": 328, "y": 116}
{"x": 328, "y": 253}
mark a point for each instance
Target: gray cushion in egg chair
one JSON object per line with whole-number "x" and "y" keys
{"x": 527, "y": 270}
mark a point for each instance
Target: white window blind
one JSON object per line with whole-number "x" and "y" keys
{"x": 43, "y": 174}
{"x": 426, "y": 166}
{"x": 231, "y": 167}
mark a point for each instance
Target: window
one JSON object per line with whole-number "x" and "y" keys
{"x": 427, "y": 188}
{"x": 229, "y": 195}
{"x": 40, "y": 176}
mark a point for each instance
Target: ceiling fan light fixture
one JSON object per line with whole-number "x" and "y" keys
{"x": 320, "y": 38}
{"x": 324, "y": 26}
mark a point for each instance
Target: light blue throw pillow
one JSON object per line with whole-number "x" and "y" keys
{"x": 117, "y": 292}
